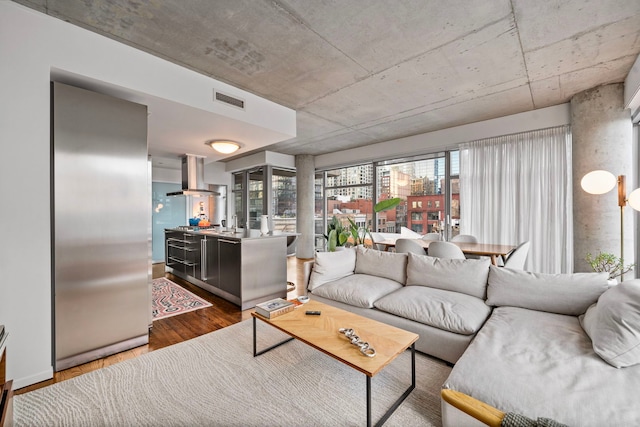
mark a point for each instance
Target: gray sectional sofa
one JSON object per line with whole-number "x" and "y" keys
{"x": 565, "y": 347}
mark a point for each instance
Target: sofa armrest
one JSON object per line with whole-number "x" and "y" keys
{"x": 307, "y": 268}
{"x": 479, "y": 410}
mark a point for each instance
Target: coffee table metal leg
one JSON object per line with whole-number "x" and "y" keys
{"x": 258, "y": 353}
{"x": 401, "y": 399}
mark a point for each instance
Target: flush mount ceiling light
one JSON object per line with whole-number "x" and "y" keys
{"x": 224, "y": 146}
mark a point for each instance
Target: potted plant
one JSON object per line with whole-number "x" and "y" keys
{"x": 359, "y": 234}
{"x": 607, "y": 262}
{"x": 336, "y": 235}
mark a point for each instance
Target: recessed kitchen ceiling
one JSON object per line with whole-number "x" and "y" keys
{"x": 364, "y": 72}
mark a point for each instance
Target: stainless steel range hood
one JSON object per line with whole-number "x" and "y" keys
{"x": 193, "y": 178}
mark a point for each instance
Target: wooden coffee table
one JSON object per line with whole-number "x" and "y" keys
{"x": 321, "y": 333}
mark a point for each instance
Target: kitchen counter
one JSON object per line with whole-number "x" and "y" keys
{"x": 242, "y": 267}
{"x": 241, "y": 234}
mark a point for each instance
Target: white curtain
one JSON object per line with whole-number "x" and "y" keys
{"x": 516, "y": 188}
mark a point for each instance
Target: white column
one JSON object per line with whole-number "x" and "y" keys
{"x": 602, "y": 139}
{"x": 305, "y": 190}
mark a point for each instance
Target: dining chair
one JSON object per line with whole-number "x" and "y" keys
{"x": 445, "y": 250}
{"x": 464, "y": 238}
{"x": 406, "y": 246}
{"x": 377, "y": 237}
{"x": 432, "y": 236}
{"x": 517, "y": 258}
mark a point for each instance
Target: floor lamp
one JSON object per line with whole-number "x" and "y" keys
{"x": 601, "y": 182}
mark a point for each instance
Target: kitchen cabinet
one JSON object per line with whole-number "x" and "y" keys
{"x": 182, "y": 253}
{"x": 243, "y": 270}
{"x": 230, "y": 264}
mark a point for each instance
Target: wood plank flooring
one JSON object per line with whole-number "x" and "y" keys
{"x": 172, "y": 330}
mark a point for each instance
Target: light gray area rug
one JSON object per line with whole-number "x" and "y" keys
{"x": 215, "y": 380}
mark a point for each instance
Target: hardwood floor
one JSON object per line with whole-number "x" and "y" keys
{"x": 172, "y": 330}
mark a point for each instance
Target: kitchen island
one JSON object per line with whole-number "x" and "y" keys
{"x": 241, "y": 267}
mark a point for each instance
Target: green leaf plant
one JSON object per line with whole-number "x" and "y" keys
{"x": 359, "y": 234}
{"x": 609, "y": 263}
{"x": 336, "y": 235}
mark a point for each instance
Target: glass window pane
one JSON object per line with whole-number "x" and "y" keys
{"x": 255, "y": 197}
{"x": 354, "y": 175}
{"x": 455, "y": 193}
{"x": 416, "y": 182}
{"x": 353, "y": 203}
{"x": 238, "y": 220}
{"x": 283, "y": 185}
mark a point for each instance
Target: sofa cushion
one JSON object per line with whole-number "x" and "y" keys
{"x": 467, "y": 276}
{"x": 389, "y": 265}
{"x": 329, "y": 266}
{"x": 569, "y": 294}
{"x": 360, "y": 290}
{"x": 613, "y": 324}
{"x": 450, "y": 311}
{"x": 542, "y": 364}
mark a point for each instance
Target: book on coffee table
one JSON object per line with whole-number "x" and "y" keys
{"x": 274, "y": 308}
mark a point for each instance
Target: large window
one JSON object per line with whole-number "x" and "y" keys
{"x": 349, "y": 194}
{"x": 428, "y": 186}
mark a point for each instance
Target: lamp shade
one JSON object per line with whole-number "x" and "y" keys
{"x": 634, "y": 199}
{"x": 598, "y": 182}
{"x": 224, "y": 147}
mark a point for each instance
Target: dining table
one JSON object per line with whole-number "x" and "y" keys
{"x": 490, "y": 250}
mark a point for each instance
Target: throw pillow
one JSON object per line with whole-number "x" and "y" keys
{"x": 569, "y": 294}
{"x": 389, "y": 265}
{"x": 467, "y": 276}
{"x": 613, "y": 324}
{"x": 330, "y": 266}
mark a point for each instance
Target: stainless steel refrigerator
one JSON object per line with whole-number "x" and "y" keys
{"x": 100, "y": 225}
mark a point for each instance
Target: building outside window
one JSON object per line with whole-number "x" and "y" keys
{"x": 428, "y": 181}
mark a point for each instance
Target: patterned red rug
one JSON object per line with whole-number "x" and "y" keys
{"x": 170, "y": 299}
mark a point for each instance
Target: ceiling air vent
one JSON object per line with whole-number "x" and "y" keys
{"x": 228, "y": 99}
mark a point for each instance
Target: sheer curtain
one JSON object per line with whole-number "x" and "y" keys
{"x": 517, "y": 187}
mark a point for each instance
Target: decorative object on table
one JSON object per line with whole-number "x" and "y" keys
{"x": 359, "y": 234}
{"x": 365, "y": 348}
{"x": 264, "y": 225}
{"x": 609, "y": 263}
{"x": 274, "y": 308}
{"x": 291, "y": 286}
{"x": 601, "y": 182}
{"x": 170, "y": 299}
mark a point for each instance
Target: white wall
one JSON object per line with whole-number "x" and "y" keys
{"x": 448, "y": 139}
{"x": 262, "y": 158}
{"x": 31, "y": 45}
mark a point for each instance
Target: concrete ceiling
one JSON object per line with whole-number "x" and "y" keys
{"x": 361, "y": 72}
